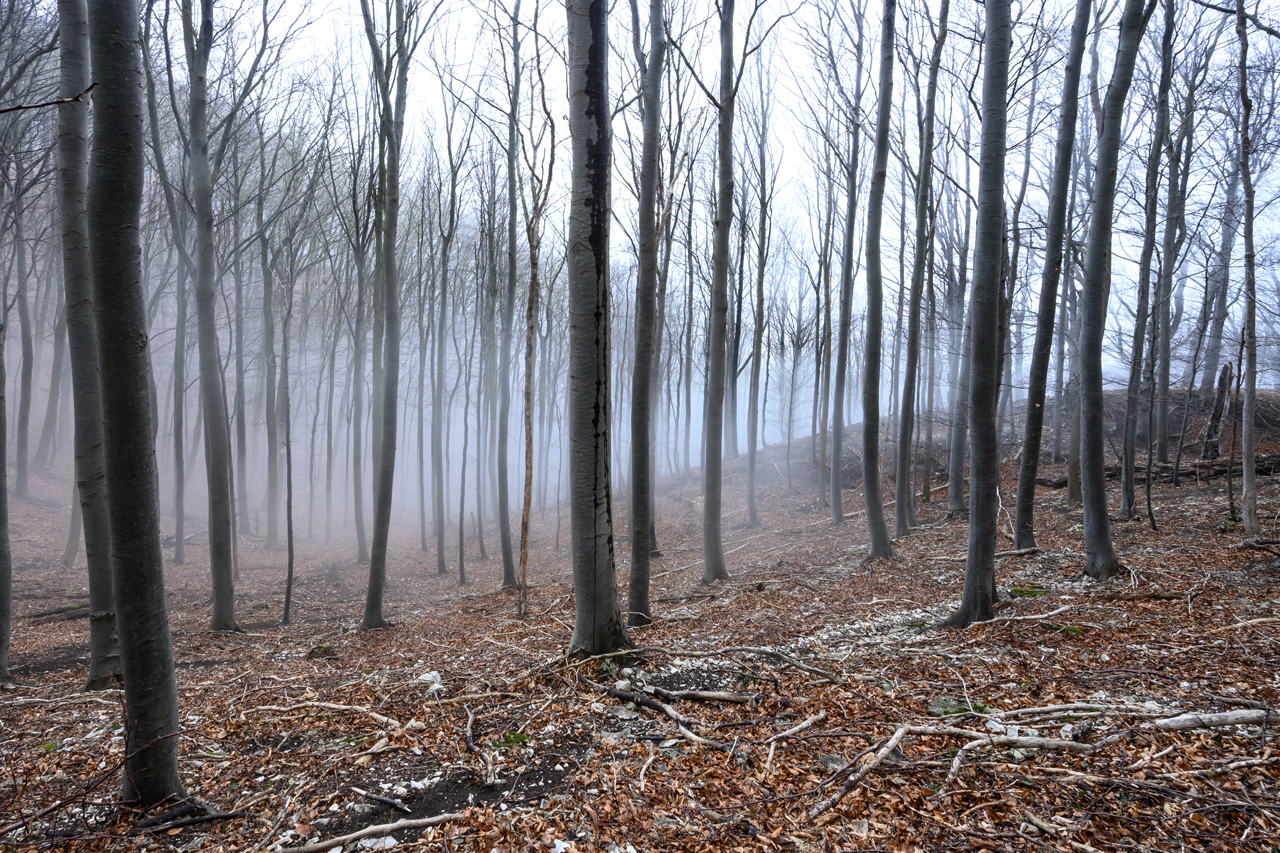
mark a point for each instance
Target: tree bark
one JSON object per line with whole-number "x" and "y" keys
{"x": 877, "y": 529}
{"x": 114, "y": 205}
{"x": 904, "y": 497}
{"x": 1100, "y": 559}
{"x": 598, "y": 625}
{"x": 199, "y": 34}
{"x": 1055, "y": 229}
{"x": 651, "y": 70}
{"x": 979, "y": 594}
{"x": 73, "y": 156}
{"x": 713, "y": 566}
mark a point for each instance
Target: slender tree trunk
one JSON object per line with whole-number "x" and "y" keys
{"x": 1024, "y": 520}
{"x": 137, "y": 564}
{"x": 1133, "y": 401}
{"x": 877, "y": 529}
{"x": 509, "y": 580}
{"x": 651, "y": 69}
{"x": 904, "y": 506}
{"x": 1100, "y": 559}
{"x": 200, "y": 34}
{"x": 713, "y": 566}
{"x": 21, "y": 476}
{"x": 1248, "y": 440}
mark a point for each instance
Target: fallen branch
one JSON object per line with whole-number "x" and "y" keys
{"x": 328, "y": 706}
{"x": 1186, "y": 722}
{"x": 976, "y": 739}
{"x": 380, "y": 829}
{"x": 646, "y": 702}
{"x": 1032, "y": 618}
{"x": 378, "y": 798}
{"x": 701, "y": 695}
{"x": 795, "y": 730}
{"x": 1264, "y": 620}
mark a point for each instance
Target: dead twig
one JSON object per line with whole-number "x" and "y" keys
{"x": 795, "y": 730}
{"x": 380, "y": 829}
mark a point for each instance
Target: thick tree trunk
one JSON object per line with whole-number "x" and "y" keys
{"x": 73, "y": 155}
{"x": 979, "y": 594}
{"x": 391, "y": 75}
{"x": 598, "y": 625}
{"x": 1024, "y": 519}
{"x": 1100, "y": 559}
{"x": 137, "y": 565}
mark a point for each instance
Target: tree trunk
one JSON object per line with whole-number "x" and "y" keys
{"x": 979, "y": 594}
{"x": 713, "y": 566}
{"x": 137, "y": 565}
{"x": 1151, "y": 198}
{"x": 391, "y": 74}
{"x": 1100, "y": 559}
{"x": 217, "y": 440}
{"x": 21, "y": 469}
{"x": 651, "y": 69}
{"x": 1024, "y": 520}
{"x": 757, "y": 332}
{"x": 509, "y": 580}
{"x": 598, "y": 626}
{"x": 904, "y": 506}
{"x": 877, "y": 529}
{"x": 1248, "y": 438}
{"x": 73, "y": 155}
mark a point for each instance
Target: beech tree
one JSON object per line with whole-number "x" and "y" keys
{"x": 1100, "y": 559}
{"x": 598, "y": 627}
{"x": 979, "y": 594}
{"x": 114, "y": 203}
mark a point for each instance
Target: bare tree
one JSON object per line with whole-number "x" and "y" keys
{"x": 114, "y": 205}
{"x": 598, "y": 625}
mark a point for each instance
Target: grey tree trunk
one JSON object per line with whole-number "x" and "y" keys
{"x": 217, "y": 439}
{"x": 757, "y": 334}
{"x": 713, "y": 566}
{"x": 904, "y": 506}
{"x": 598, "y": 625}
{"x": 114, "y": 204}
{"x": 651, "y": 70}
{"x": 1248, "y": 438}
{"x": 844, "y": 326}
{"x": 1024, "y": 518}
{"x": 21, "y": 456}
{"x": 509, "y": 580}
{"x": 877, "y": 529}
{"x": 1100, "y": 558}
{"x": 269, "y": 363}
{"x": 979, "y": 594}
{"x": 1151, "y": 197}
{"x": 391, "y": 75}
{"x": 73, "y": 158}
{"x": 1219, "y": 278}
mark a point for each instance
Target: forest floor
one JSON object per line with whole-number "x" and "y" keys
{"x": 828, "y": 715}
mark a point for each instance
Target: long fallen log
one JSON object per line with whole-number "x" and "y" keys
{"x": 1186, "y": 722}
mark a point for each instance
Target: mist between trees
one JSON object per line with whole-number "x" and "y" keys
{"x": 377, "y": 279}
